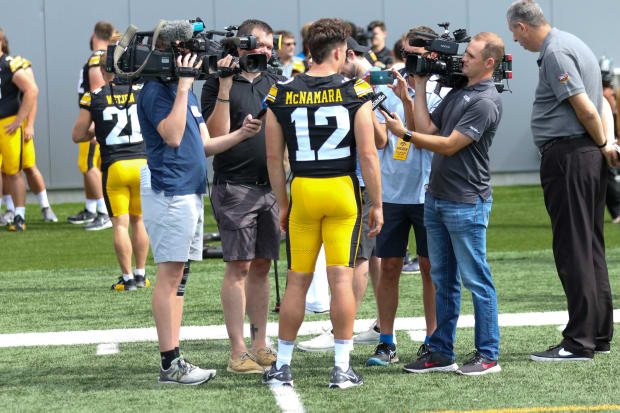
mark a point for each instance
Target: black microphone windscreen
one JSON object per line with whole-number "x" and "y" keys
{"x": 176, "y": 30}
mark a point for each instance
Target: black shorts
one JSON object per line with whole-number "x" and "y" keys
{"x": 248, "y": 220}
{"x": 367, "y": 246}
{"x": 394, "y": 236}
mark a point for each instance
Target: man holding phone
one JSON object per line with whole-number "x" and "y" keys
{"x": 405, "y": 172}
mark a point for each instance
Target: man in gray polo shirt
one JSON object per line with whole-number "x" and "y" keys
{"x": 567, "y": 129}
{"x": 458, "y": 203}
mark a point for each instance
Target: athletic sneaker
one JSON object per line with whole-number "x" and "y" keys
{"x": 18, "y": 224}
{"x": 370, "y": 336}
{"x": 265, "y": 356}
{"x": 478, "y": 365}
{"x": 101, "y": 222}
{"x": 344, "y": 379}
{"x": 322, "y": 342}
{"x": 122, "y": 285}
{"x": 82, "y": 217}
{"x": 431, "y": 361}
{"x": 603, "y": 348}
{"x": 9, "y": 215}
{"x": 182, "y": 371}
{"x": 384, "y": 355}
{"x": 141, "y": 281}
{"x": 48, "y": 215}
{"x": 275, "y": 377}
{"x": 244, "y": 364}
{"x": 559, "y": 353}
{"x": 412, "y": 268}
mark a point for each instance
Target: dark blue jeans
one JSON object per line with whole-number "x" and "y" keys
{"x": 457, "y": 250}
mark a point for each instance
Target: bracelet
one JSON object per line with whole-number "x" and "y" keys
{"x": 601, "y": 146}
{"x": 223, "y": 100}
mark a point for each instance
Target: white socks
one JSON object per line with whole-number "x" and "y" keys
{"x": 285, "y": 353}
{"x": 342, "y": 349}
{"x": 8, "y": 201}
{"x": 127, "y": 277}
{"x": 101, "y": 208}
{"x": 141, "y": 272}
{"x": 42, "y": 197}
{"x": 91, "y": 206}
{"x": 21, "y": 211}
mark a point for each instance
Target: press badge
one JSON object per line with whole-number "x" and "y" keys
{"x": 401, "y": 150}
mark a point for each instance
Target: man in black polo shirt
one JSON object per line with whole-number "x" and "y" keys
{"x": 567, "y": 128}
{"x": 458, "y": 203}
{"x": 244, "y": 206}
{"x": 379, "y": 33}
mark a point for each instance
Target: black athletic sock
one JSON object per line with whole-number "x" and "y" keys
{"x": 167, "y": 357}
{"x": 377, "y": 329}
{"x": 177, "y": 352}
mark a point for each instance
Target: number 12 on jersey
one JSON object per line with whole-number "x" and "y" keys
{"x": 329, "y": 149}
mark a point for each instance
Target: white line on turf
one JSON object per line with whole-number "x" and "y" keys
{"x": 214, "y": 332}
{"x": 287, "y": 399}
{"x": 107, "y": 348}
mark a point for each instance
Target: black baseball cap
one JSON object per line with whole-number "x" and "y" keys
{"x": 352, "y": 44}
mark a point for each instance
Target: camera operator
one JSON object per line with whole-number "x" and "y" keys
{"x": 567, "y": 128}
{"x": 243, "y": 204}
{"x": 382, "y": 54}
{"x": 458, "y": 203}
{"x": 405, "y": 172}
{"x": 171, "y": 189}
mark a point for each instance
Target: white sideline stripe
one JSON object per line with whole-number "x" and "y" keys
{"x": 215, "y": 332}
{"x": 107, "y": 348}
{"x": 287, "y": 399}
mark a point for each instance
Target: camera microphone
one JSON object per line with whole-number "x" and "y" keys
{"x": 174, "y": 30}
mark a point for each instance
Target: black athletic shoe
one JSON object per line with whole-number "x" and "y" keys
{"x": 18, "y": 224}
{"x": 478, "y": 365}
{"x": 141, "y": 281}
{"x": 275, "y": 377}
{"x": 384, "y": 355}
{"x": 602, "y": 348}
{"x": 122, "y": 285}
{"x": 82, "y": 217}
{"x": 559, "y": 353}
{"x": 431, "y": 361}
{"x": 344, "y": 379}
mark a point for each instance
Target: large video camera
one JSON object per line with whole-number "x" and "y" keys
{"x": 443, "y": 59}
{"x": 153, "y": 54}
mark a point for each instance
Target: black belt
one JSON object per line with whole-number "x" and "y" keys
{"x": 218, "y": 180}
{"x": 560, "y": 139}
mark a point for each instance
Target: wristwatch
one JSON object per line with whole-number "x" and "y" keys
{"x": 407, "y": 136}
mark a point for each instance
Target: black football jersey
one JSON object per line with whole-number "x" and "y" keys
{"x": 116, "y": 127}
{"x": 317, "y": 117}
{"x": 84, "y": 82}
{"x": 9, "y": 92}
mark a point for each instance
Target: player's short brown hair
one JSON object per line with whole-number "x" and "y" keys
{"x": 324, "y": 35}
{"x": 104, "y": 30}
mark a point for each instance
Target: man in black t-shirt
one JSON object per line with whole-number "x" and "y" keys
{"x": 324, "y": 119}
{"x": 243, "y": 204}
{"x": 381, "y": 53}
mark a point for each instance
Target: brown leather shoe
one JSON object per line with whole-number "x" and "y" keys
{"x": 244, "y": 364}
{"x": 265, "y": 356}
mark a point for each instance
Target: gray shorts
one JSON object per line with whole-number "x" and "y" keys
{"x": 366, "y": 248}
{"x": 248, "y": 220}
{"x": 174, "y": 223}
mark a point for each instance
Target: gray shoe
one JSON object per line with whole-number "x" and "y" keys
{"x": 48, "y": 215}
{"x": 3, "y": 221}
{"x": 183, "y": 372}
{"x": 101, "y": 222}
{"x": 9, "y": 216}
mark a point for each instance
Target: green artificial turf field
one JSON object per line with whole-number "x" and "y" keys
{"x": 56, "y": 277}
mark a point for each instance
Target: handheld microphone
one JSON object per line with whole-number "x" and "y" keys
{"x": 174, "y": 30}
{"x": 377, "y": 102}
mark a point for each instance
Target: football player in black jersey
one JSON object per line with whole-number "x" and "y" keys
{"x": 113, "y": 109}
{"x": 13, "y": 112}
{"x": 95, "y": 214}
{"x": 323, "y": 119}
